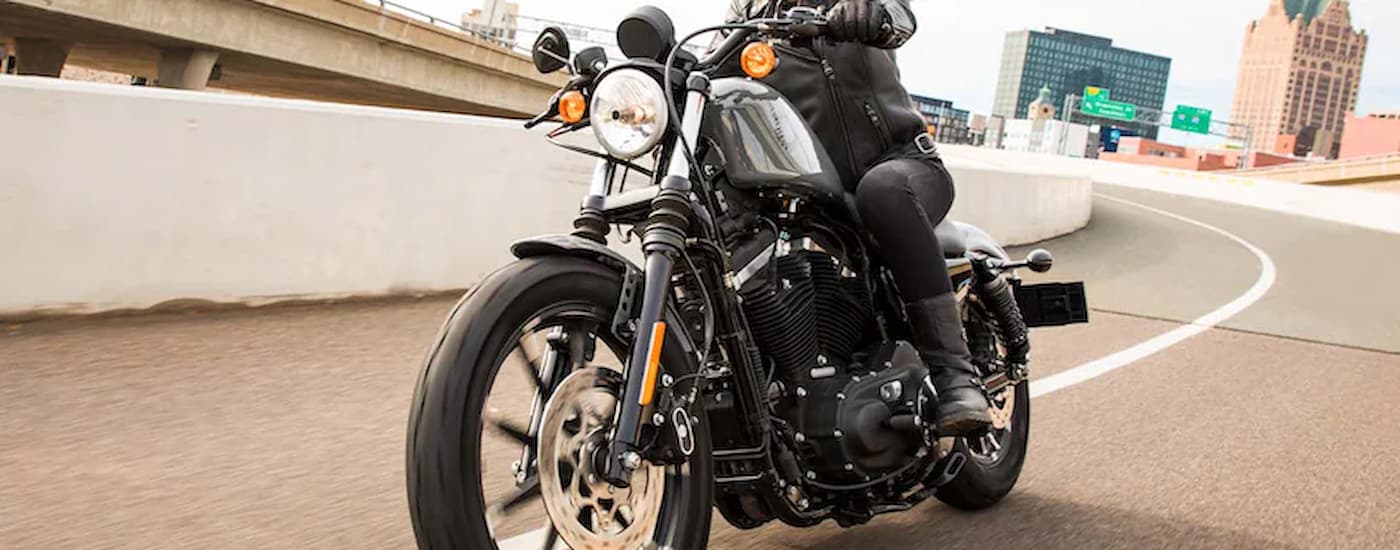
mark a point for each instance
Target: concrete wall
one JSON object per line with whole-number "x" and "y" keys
{"x": 117, "y": 197}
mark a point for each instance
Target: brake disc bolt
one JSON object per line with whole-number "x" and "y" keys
{"x": 631, "y": 460}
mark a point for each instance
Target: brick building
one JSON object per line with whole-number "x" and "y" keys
{"x": 1299, "y": 76}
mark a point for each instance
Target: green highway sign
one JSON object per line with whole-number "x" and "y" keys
{"x": 1191, "y": 119}
{"x": 1096, "y": 103}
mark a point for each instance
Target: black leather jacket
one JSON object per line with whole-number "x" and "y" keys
{"x": 850, "y": 94}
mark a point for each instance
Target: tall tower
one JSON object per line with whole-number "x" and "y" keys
{"x": 1299, "y": 76}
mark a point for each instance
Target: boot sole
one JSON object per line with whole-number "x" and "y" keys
{"x": 964, "y": 424}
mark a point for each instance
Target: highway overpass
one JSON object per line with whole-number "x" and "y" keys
{"x": 1373, "y": 169}
{"x": 348, "y": 51}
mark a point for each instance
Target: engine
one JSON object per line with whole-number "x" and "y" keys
{"x": 849, "y": 399}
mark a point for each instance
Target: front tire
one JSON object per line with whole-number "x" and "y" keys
{"x": 446, "y": 486}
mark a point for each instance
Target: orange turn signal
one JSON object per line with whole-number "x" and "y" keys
{"x": 758, "y": 60}
{"x": 658, "y": 336}
{"x": 572, "y": 106}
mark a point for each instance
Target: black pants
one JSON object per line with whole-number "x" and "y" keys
{"x": 901, "y": 200}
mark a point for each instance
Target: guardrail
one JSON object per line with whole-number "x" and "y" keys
{"x": 127, "y": 198}
{"x": 1351, "y": 170}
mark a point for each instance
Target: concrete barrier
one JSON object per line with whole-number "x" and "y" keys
{"x": 126, "y": 198}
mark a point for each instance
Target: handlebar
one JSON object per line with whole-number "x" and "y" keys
{"x": 798, "y": 23}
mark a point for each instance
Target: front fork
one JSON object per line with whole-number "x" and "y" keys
{"x": 662, "y": 242}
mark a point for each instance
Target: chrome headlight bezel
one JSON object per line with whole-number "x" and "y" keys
{"x": 628, "y": 113}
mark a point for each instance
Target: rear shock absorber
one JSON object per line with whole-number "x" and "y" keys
{"x": 999, "y": 297}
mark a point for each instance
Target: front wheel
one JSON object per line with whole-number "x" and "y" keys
{"x": 994, "y": 459}
{"x": 497, "y": 457}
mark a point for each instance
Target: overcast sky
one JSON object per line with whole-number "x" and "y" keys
{"x": 957, "y": 51}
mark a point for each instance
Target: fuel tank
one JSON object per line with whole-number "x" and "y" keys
{"x": 765, "y": 142}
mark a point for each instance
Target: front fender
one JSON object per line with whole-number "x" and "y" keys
{"x": 579, "y": 247}
{"x": 569, "y": 245}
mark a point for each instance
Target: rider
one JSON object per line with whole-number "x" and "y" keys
{"x": 849, "y": 91}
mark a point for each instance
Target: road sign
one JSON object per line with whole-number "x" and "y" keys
{"x": 1191, "y": 119}
{"x": 1116, "y": 110}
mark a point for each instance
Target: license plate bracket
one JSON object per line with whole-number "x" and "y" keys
{"x": 1052, "y": 304}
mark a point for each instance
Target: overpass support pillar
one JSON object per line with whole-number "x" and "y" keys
{"x": 41, "y": 56}
{"x": 185, "y": 69}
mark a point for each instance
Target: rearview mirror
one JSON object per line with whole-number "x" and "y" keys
{"x": 551, "y": 51}
{"x": 647, "y": 33}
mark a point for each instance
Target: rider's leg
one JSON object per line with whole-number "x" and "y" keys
{"x": 901, "y": 201}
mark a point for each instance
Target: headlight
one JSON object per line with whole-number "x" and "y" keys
{"x": 629, "y": 113}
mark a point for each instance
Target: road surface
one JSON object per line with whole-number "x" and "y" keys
{"x": 284, "y": 427}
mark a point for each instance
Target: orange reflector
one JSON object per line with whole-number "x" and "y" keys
{"x": 658, "y": 336}
{"x": 572, "y": 106}
{"x": 758, "y": 60}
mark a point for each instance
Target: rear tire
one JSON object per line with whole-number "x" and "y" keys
{"x": 990, "y": 472}
{"x": 982, "y": 483}
{"x": 445, "y": 489}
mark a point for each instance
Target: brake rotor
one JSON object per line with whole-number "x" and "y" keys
{"x": 588, "y": 512}
{"x": 1002, "y": 408}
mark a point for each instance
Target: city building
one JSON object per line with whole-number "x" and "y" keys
{"x": 977, "y": 130}
{"x": 1140, "y": 150}
{"x": 1066, "y": 62}
{"x": 1374, "y": 134}
{"x": 1051, "y": 137}
{"x": 1043, "y": 108}
{"x": 1299, "y": 76}
{"x": 947, "y": 123}
{"x": 496, "y": 19}
{"x": 995, "y": 133}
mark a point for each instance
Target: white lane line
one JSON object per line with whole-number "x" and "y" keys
{"x": 1099, "y": 367}
{"x": 1267, "y": 275}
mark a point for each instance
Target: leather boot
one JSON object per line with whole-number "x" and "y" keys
{"x": 938, "y": 335}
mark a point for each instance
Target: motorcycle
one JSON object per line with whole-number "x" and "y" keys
{"x": 757, "y": 362}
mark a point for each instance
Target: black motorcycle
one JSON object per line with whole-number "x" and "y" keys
{"x": 757, "y": 362}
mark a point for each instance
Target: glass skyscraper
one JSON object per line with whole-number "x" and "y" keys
{"x": 1066, "y": 62}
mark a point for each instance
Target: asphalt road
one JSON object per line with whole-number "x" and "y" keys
{"x": 284, "y": 428}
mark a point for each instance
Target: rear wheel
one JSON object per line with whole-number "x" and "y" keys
{"x": 523, "y": 379}
{"x": 994, "y": 459}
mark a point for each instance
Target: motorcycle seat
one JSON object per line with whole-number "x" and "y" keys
{"x": 951, "y": 238}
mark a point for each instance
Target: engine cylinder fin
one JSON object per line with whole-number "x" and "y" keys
{"x": 841, "y": 313}
{"x": 782, "y": 315}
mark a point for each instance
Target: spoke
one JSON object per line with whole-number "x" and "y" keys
{"x": 551, "y": 538}
{"x": 530, "y": 365}
{"x": 521, "y": 496}
{"x": 514, "y": 432}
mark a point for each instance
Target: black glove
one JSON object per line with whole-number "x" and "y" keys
{"x": 858, "y": 21}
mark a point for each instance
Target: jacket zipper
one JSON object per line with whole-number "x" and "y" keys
{"x": 879, "y": 126}
{"x": 840, "y": 109}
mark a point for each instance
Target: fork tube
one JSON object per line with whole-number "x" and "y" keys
{"x": 663, "y": 241}
{"x": 590, "y": 223}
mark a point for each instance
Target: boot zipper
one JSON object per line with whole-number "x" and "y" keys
{"x": 840, "y": 109}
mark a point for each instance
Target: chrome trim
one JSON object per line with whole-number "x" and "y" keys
{"x": 754, "y": 266}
